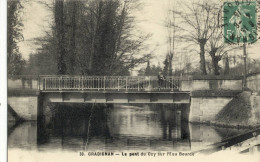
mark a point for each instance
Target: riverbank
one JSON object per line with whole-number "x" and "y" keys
{"x": 243, "y": 111}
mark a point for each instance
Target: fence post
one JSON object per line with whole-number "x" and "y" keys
{"x": 179, "y": 83}
{"x": 126, "y": 83}
{"x": 118, "y": 83}
{"x": 149, "y": 83}
{"x": 172, "y": 84}
{"x": 93, "y": 82}
{"x": 138, "y": 83}
{"x": 104, "y": 83}
{"x": 38, "y": 83}
{"x": 45, "y": 84}
{"x": 60, "y": 82}
{"x": 82, "y": 84}
{"x": 79, "y": 84}
{"x": 98, "y": 83}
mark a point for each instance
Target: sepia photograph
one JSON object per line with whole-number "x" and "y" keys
{"x": 133, "y": 80}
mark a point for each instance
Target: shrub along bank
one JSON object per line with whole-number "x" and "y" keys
{"x": 242, "y": 111}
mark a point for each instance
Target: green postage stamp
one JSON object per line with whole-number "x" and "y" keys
{"x": 240, "y": 22}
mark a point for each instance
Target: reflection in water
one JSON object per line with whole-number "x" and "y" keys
{"x": 118, "y": 127}
{"x": 23, "y": 136}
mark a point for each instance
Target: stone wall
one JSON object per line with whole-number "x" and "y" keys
{"x": 255, "y": 110}
{"x": 186, "y": 85}
{"x": 24, "y": 106}
{"x": 234, "y": 85}
{"x": 196, "y": 84}
{"x": 22, "y": 83}
{"x": 253, "y": 82}
{"x": 203, "y": 109}
{"x": 242, "y": 110}
{"x": 210, "y": 94}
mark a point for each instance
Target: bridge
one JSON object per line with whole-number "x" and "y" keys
{"x": 114, "y": 89}
{"x": 203, "y": 96}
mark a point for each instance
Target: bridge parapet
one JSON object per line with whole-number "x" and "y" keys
{"x": 23, "y": 82}
{"x": 227, "y": 83}
{"x": 110, "y": 83}
{"x": 123, "y": 83}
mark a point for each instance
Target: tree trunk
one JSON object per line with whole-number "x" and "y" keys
{"x": 202, "y": 59}
{"x": 59, "y": 21}
{"x": 215, "y": 61}
{"x": 170, "y": 64}
{"x": 227, "y": 70}
{"x": 166, "y": 66}
{"x": 15, "y": 62}
{"x": 73, "y": 37}
{"x": 95, "y": 27}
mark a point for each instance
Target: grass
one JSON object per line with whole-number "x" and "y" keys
{"x": 237, "y": 111}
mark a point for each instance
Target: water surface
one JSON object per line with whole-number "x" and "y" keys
{"x": 78, "y": 127}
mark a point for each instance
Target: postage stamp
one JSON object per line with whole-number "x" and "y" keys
{"x": 240, "y": 22}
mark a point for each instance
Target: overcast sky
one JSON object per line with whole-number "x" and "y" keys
{"x": 151, "y": 19}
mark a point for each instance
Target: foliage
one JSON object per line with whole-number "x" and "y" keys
{"x": 15, "y": 61}
{"x": 94, "y": 37}
{"x": 216, "y": 47}
{"x": 199, "y": 24}
{"x": 44, "y": 61}
{"x": 148, "y": 70}
{"x": 153, "y": 72}
{"x": 253, "y": 66}
{"x": 166, "y": 64}
{"x": 196, "y": 26}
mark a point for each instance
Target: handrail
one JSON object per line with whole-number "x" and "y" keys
{"x": 116, "y": 83}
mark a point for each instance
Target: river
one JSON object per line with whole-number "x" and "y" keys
{"x": 75, "y": 127}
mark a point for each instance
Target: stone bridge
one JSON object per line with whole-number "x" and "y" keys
{"x": 204, "y": 96}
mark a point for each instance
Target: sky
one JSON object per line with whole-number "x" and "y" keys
{"x": 150, "y": 19}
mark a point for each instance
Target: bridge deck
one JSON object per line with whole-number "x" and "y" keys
{"x": 117, "y": 97}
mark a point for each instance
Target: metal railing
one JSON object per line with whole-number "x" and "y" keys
{"x": 105, "y": 83}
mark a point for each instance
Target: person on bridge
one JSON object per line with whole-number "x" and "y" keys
{"x": 161, "y": 79}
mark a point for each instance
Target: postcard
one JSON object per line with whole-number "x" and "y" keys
{"x": 132, "y": 80}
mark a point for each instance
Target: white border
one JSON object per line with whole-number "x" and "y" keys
{"x": 3, "y": 81}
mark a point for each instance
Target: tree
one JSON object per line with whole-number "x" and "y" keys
{"x": 148, "y": 71}
{"x": 227, "y": 69}
{"x": 44, "y": 62}
{"x": 170, "y": 21}
{"x": 116, "y": 47}
{"x": 95, "y": 37}
{"x": 166, "y": 63}
{"x": 15, "y": 62}
{"x": 73, "y": 9}
{"x": 60, "y": 35}
{"x": 217, "y": 47}
{"x": 154, "y": 71}
{"x": 196, "y": 26}
{"x": 253, "y": 66}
